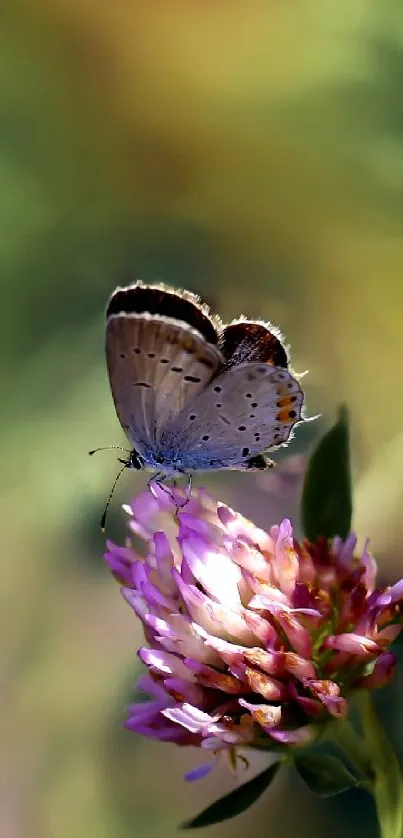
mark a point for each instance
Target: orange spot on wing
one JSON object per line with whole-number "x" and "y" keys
{"x": 284, "y": 416}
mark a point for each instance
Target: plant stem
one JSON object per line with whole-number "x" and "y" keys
{"x": 354, "y": 746}
{"x": 386, "y": 778}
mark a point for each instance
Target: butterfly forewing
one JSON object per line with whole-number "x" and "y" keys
{"x": 242, "y": 412}
{"x": 156, "y": 366}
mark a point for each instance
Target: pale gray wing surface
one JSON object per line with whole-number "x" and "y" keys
{"x": 156, "y": 366}
{"x": 243, "y": 412}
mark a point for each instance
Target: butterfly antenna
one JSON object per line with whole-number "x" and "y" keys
{"x": 109, "y": 448}
{"x": 103, "y": 519}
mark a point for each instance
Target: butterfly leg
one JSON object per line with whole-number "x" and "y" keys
{"x": 189, "y": 487}
{"x": 188, "y": 492}
{"x": 159, "y": 477}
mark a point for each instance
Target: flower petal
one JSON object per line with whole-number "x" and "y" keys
{"x": 299, "y": 667}
{"x": 269, "y": 688}
{"x": 214, "y": 570}
{"x": 370, "y": 568}
{"x": 239, "y": 527}
{"x": 200, "y": 772}
{"x": 217, "y": 619}
{"x": 298, "y": 736}
{"x": 164, "y": 560}
{"x": 164, "y": 663}
{"x": 285, "y": 560}
{"x": 189, "y": 717}
{"x": 353, "y": 643}
{"x": 295, "y": 632}
{"x": 267, "y": 716}
{"x": 210, "y": 677}
{"x": 383, "y": 671}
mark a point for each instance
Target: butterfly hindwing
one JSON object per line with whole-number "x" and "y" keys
{"x": 241, "y": 413}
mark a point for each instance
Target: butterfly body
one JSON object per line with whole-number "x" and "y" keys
{"x": 169, "y": 461}
{"x": 192, "y": 394}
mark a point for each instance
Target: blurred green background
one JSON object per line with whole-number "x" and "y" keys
{"x": 253, "y": 152}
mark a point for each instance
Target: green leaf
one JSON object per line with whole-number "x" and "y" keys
{"x": 236, "y": 801}
{"x": 325, "y": 776}
{"x": 326, "y": 507}
{"x": 386, "y": 782}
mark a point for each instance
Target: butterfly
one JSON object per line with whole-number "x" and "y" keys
{"x": 191, "y": 393}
